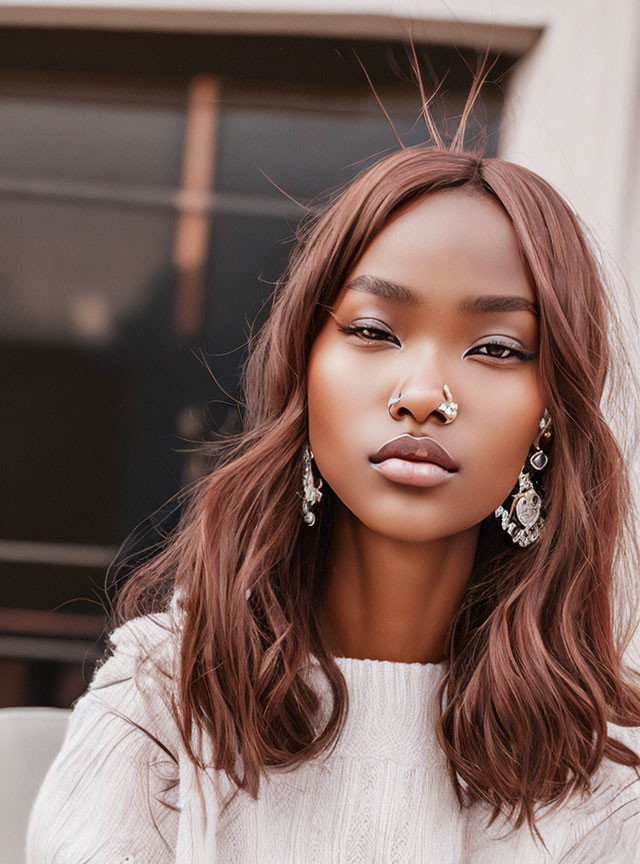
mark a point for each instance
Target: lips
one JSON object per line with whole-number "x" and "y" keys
{"x": 423, "y": 449}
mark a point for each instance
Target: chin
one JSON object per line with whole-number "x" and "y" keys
{"x": 409, "y": 531}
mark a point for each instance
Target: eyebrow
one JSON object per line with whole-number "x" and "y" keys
{"x": 481, "y": 304}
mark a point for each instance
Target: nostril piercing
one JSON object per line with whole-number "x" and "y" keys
{"x": 394, "y": 401}
{"x": 449, "y": 408}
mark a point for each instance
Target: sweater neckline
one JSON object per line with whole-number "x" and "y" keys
{"x": 355, "y": 662}
{"x": 396, "y": 668}
{"x": 393, "y": 708}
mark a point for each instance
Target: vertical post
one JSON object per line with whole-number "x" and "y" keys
{"x": 193, "y": 201}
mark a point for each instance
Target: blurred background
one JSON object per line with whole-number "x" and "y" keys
{"x": 142, "y": 229}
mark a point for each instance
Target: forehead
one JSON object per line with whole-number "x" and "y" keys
{"x": 446, "y": 246}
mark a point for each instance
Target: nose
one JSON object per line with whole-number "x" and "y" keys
{"x": 421, "y": 399}
{"x": 419, "y": 408}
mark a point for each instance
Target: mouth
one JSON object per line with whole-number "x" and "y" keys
{"x": 415, "y": 461}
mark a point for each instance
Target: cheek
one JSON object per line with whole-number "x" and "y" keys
{"x": 344, "y": 419}
{"x": 334, "y": 399}
{"x": 504, "y": 420}
{"x": 325, "y": 387}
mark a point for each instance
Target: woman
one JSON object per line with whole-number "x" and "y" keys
{"x": 384, "y": 628}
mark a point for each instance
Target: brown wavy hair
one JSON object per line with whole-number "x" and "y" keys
{"x": 535, "y": 652}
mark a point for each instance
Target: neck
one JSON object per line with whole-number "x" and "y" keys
{"x": 389, "y": 599}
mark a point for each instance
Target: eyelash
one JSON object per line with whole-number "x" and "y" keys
{"x": 358, "y": 330}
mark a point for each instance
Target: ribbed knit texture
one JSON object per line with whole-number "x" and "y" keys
{"x": 382, "y": 796}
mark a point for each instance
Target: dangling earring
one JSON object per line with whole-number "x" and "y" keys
{"x": 525, "y": 524}
{"x": 523, "y": 521}
{"x": 310, "y": 492}
{"x": 539, "y": 459}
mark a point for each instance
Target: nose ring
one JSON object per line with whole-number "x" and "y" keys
{"x": 449, "y": 408}
{"x": 393, "y": 401}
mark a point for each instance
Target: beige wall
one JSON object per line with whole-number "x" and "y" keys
{"x": 512, "y": 22}
{"x": 572, "y": 115}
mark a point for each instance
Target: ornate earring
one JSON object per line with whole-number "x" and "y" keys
{"x": 310, "y": 492}
{"x": 539, "y": 459}
{"x": 523, "y": 521}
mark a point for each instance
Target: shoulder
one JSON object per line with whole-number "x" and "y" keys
{"x": 600, "y": 828}
{"x": 605, "y": 826}
{"x": 137, "y": 677}
{"x": 148, "y": 642}
{"x": 112, "y": 790}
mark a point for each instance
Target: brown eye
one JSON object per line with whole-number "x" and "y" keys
{"x": 499, "y": 351}
{"x": 366, "y": 332}
{"x": 371, "y": 333}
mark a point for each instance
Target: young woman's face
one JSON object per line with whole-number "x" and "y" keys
{"x": 443, "y": 297}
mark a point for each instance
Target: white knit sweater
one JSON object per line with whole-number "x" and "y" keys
{"x": 382, "y": 795}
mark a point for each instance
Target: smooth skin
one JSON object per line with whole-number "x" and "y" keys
{"x": 400, "y": 556}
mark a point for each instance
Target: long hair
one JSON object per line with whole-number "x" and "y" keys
{"x": 535, "y": 665}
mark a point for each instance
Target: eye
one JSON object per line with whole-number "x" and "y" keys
{"x": 500, "y": 351}
{"x": 366, "y": 332}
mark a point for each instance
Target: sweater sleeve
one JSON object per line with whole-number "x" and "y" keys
{"x": 111, "y": 794}
{"x": 610, "y": 831}
{"x": 604, "y": 827}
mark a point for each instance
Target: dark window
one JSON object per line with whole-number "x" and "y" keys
{"x": 105, "y": 138}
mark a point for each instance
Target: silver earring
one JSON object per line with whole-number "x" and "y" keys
{"x": 310, "y": 492}
{"x": 539, "y": 459}
{"x": 523, "y": 521}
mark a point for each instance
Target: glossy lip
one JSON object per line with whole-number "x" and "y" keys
{"x": 410, "y": 448}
